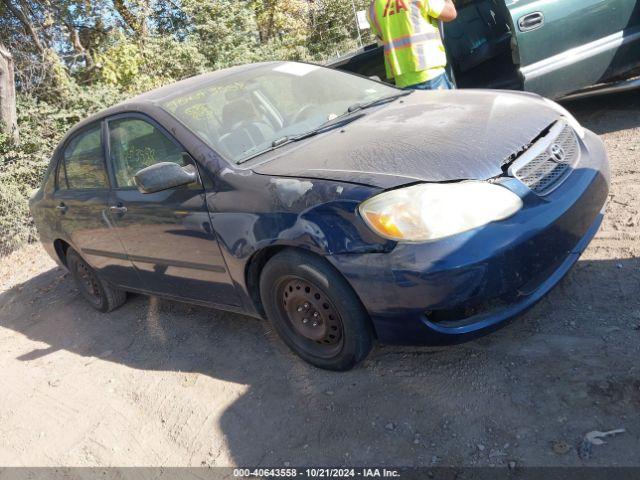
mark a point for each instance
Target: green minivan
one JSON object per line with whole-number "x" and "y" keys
{"x": 550, "y": 47}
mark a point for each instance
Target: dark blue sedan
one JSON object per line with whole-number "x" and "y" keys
{"x": 340, "y": 208}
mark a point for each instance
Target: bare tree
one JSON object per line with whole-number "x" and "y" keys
{"x": 8, "y": 118}
{"x": 138, "y": 25}
{"x": 28, "y": 25}
{"x": 37, "y": 26}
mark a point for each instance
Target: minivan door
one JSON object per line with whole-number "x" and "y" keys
{"x": 565, "y": 46}
{"x": 167, "y": 234}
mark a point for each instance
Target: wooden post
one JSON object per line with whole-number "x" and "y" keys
{"x": 8, "y": 117}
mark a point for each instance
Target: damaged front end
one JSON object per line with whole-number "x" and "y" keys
{"x": 450, "y": 288}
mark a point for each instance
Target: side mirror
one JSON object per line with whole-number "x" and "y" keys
{"x": 163, "y": 176}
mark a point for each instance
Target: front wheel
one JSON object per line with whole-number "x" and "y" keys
{"x": 315, "y": 311}
{"x": 100, "y": 294}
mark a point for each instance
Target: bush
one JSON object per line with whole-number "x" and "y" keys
{"x": 134, "y": 67}
{"x": 19, "y": 174}
{"x": 16, "y": 225}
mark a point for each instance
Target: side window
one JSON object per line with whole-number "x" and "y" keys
{"x": 82, "y": 164}
{"x": 136, "y": 144}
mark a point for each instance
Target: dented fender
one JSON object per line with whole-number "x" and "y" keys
{"x": 250, "y": 212}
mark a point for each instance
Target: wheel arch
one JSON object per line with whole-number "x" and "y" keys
{"x": 253, "y": 269}
{"x": 259, "y": 259}
{"x": 61, "y": 248}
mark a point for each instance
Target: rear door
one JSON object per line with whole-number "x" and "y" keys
{"x": 168, "y": 234}
{"x": 564, "y": 46}
{"x": 80, "y": 202}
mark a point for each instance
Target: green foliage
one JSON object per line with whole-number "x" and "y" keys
{"x": 19, "y": 173}
{"x": 225, "y": 30}
{"x": 16, "y": 225}
{"x": 173, "y": 60}
{"x": 133, "y": 67}
{"x": 120, "y": 64}
{"x": 286, "y": 20}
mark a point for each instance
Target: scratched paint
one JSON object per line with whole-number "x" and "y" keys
{"x": 290, "y": 190}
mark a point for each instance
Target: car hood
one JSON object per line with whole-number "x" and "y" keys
{"x": 426, "y": 136}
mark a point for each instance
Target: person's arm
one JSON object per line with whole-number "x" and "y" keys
{"x": 372, "y": 22}
{"x": 449, "y": 13}
{"x": 444, "y": 10}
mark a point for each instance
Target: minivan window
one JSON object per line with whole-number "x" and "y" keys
{"x": 82, "y": 165}
{"x": 136, "y": 144}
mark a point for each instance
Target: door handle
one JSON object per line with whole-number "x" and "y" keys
{"x": 62, "y": 208}
{"x": 531, "y": 21}
{"x": 118, "y": 209}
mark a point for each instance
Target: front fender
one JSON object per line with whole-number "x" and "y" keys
{"x": 251, "y": 212}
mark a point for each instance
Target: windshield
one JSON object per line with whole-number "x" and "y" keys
{"x": 245, "y": 113}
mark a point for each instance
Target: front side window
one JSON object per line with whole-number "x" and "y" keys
{"x": 136, "y": 144}
{"x": 82, "y": 165}
{"x": 242, "y": 114}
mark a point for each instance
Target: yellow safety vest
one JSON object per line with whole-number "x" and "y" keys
{"x": 411, "y": 38}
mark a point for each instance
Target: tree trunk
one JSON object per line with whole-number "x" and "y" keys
{"x": 74, "y": 37}
{"x": 8, "y": 117}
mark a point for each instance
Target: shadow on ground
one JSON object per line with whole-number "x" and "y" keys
{"x": 564, "y": 368}
{"x": 607, "y": 113}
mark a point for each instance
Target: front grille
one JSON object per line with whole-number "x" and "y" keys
{"x": 544, "y": 172}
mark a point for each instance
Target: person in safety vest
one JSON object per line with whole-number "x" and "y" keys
{"x": 413, "y": 51}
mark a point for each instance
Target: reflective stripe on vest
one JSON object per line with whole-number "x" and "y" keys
{"x": 407, "y": 41}
{"x": 417, "y": 42}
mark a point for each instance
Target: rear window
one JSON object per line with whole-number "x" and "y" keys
{"x": 82, "y": 163}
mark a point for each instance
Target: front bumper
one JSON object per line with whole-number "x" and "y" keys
{"x": 455, "y": 288}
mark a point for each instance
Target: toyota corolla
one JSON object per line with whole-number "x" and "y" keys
{"x": 343, "y": 210}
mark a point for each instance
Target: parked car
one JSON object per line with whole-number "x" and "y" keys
{"x": 342, "y": 209}
{"x": 550, "y": 48}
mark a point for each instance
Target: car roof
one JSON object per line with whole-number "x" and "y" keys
{"x": 153, "y": 97}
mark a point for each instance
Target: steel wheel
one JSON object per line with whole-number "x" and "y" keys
{"x": 88, "y": 282}
{"x": 314, "y": 310}
{"x": 312, "y": 316}
{"x": 100, "y": 294}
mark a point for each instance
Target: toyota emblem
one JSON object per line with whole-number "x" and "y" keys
{"x": 557, "y": 153}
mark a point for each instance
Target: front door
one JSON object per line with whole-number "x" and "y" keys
{"x": 569, "y": 45}
{"x": 167, "y": 235}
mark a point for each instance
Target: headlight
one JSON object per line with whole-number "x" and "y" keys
{"x": 429, "y": 211}
{"x": 571, "y": 120}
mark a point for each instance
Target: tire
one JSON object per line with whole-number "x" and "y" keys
{"x": 99, "y": 293}
{"x": 315, "y": 311}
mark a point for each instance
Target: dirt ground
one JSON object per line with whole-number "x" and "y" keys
{"x": 161, "y": 383}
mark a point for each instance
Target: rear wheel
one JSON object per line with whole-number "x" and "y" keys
{"x": 315, "y": 311}
{"x": 99, "y": 293}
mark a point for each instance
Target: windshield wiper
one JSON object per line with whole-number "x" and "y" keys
{"x": 285, "y": 140}
{"x": 379, "y": 101}
{"x": 340, "y": 120}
